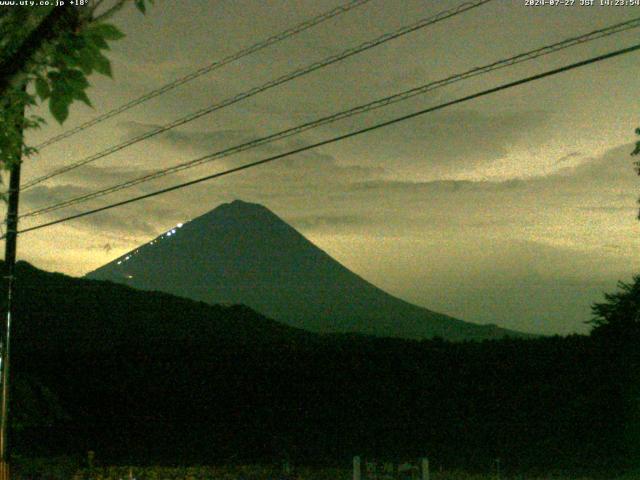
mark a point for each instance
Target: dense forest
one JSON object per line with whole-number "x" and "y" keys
{"x": 148, "y": 378}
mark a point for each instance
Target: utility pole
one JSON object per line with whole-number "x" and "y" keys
{"x": 13, "y": 162}
{"x": 12, "y": 75}
{"x": 12, "y": 159}
{"x": 10, "y": 262}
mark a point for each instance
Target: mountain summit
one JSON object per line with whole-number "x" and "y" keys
{"x": 242, "y": 253}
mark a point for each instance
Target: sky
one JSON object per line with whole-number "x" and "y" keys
{"x": 517, "y": 209}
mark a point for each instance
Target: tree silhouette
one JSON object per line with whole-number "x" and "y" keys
{"x": 617, "y": 331}
{"x": 636, "y": 151}
{"x": 620, "y": 313}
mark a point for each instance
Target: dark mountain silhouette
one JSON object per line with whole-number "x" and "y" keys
{"x": 146, "y": 377}
{"x": 242, "y": 253}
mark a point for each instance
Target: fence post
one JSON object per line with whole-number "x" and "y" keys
{"x": 356, "y": 468}
{"x": 425, "y": 468}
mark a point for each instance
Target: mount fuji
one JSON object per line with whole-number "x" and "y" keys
{"x": 242, "y": 253}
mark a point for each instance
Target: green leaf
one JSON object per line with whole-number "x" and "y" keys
{"x": 141, "y": 6}
{"x": 75, "y": 79}
{"x": 85, "y": 61}
{"x": 105, "y": 31}
{"x": 59, "y": 107}
{"x": 99, "y": 42}
{"x": 102, "y": 65}
{"x": 82, "y": 96}
{"x": 61, "y": 88}
{"x": 30, "y": 100}
{"x": 87, "y": 57}
{"x": 70, "y": 60}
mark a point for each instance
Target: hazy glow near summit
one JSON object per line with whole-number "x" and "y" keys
{"x": 517, "y": 209}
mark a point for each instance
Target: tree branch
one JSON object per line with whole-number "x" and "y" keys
{"x": 109, "y": 12}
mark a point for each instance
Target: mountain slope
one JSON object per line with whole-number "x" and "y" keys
{"x": 90, "y": 316}
{"x": 146, "y": 378}
{"x": 243, "y": 253}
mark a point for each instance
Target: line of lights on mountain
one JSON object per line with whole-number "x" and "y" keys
{"x": 168, "y": 233}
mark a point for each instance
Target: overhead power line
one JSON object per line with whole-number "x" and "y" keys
{"x": 206, "y": 69}
{"x": 398, "y": 97}
{"x": 377, "y": 126}
{"x": 271, "y": 84}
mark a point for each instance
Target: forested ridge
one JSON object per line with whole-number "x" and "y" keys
{"x": 144, "y": 377}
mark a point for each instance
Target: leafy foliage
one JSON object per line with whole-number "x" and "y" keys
{"x": 621, "y": 310}
{"x": 57, "y": 73}
{"x": 636, "y": 151}
{"x": 140, "y": 5}
{"x": 13, "y": 122}
{"x": 38, "y": 406}
{"x": 60, "y": 74}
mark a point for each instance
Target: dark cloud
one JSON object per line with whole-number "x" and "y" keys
{"x": 44, "y": 195}
{"x": 446, "y": 141}
{"x": 109, "y": 223}
{"x": 470, "y": 136}
{"x": 103, "y": 176}
{"x": 567, "y": 158}
{"x": 517, "y": 283}
{"x": 617, "y": 210}
{"x": 112, "y": 225}
{"x": 208, "y": 141}
{"x": 612, "y": 170}
{"x": 321, "y": 222}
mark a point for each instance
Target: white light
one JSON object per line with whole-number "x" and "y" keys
{"x": 173, "y": 231}
{"x": 119, "y": 262}
{"x": 127, "y": 257}
{"x": 180, "y": 225}
{"x": 168, "y": 234}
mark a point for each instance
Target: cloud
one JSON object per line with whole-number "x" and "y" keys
{"x": 567, "y": 158}
{"x": 443, "y": 142}
{"x": 323, "y": 222}
{"x": 45, "y": 195}
{"x": 518, "y": 284}
{"x": 611, "y": 171}
{"x": 112, "y": 225}
{"x": 104, "y": 176}
{"x": 364, "y": 197}
{"x": 207, "y": 141}
{"x": 616, "y": 210}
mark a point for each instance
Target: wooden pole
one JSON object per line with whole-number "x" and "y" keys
{"x": 12, "y": 161}
{"x": 10, "y": 263}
